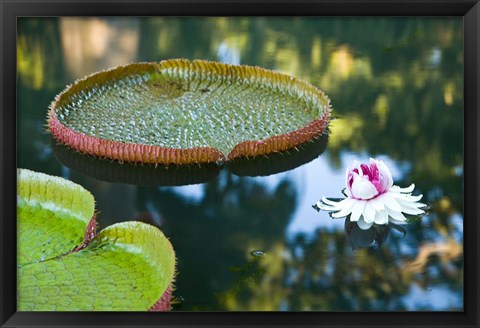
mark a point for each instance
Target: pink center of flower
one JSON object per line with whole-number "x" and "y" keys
{"x": 372, "y": 173}
{"x": 375, "y": 177}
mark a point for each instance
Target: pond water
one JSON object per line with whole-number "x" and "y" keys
{"x": 256, "y": 243}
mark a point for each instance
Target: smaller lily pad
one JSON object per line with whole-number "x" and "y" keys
{"x": 52, "y": 216}
{"x": 127, "y": 266}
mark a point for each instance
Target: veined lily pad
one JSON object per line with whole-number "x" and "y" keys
{"x": 181, "y": 112}
{"x": 63, "y": 265}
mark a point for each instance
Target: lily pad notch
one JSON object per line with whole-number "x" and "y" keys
{"x": 187, "y": 112}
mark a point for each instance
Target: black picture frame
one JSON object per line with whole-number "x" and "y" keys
{"x": 10, "y": 10}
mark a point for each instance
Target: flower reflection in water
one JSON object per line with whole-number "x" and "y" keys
{"x": 372, "y": 199}
{"x": 375, "y": 236}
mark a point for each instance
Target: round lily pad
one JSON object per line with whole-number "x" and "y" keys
{"x": 182, "y": 112}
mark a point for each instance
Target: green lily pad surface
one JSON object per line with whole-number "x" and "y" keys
{"x": 180, "y": 111}
{"x": 125, "y": 267}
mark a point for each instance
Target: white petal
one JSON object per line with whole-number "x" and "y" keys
{"x": 412, "y": 211}
{"x": 363, "y": 189}
{"x": 347, "y": 192}
{"x": 330, "y": 202}
{"x": 357, "y": 210}
{"x": 404, "y": 202}
{"x": 340, "y": 214}
{"x": 411, "y": 208}
{"x": 415, "y": 206}
{"x": 398, "y": 216}
{"x": 390, "y": 202}
{"x": 381, "y": 217}
{"x": 369, "y": 213}
{"x": 363, "y": 225}
{"x": 346, "y": 208}
{"x": 355, "y": 165}
{"x": 346, "y": 176}
{"x": 396, "y": 221}
{"x": 324, "y": 207}
{"x": 403, "y": 190}
{"x": 345, "y": 202}
{"x": 377, "y": 203}
{"x": 385, "y": 172}
{"x": 409, "y": 198}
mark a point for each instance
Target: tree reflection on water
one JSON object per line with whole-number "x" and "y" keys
{"x": 215, "y": 235}
{"x": 396, "y": 87}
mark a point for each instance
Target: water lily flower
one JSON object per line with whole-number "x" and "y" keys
{"x": 372, "y": 198}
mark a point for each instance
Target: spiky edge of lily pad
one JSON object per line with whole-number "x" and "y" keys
{"x": 131, "y": 152}
{"x": 152, "y": 154}
{"x": 279, "y": 143}
{"x": 164, "y": 304}
{"x": 132, "y": 173}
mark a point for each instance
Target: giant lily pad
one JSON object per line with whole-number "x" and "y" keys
{"x": 182, "y": 112}
{"x": 63, "y": 265}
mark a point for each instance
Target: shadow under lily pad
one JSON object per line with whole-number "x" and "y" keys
{"x": 147, "y": 175}
{"x": 178, "y": 175}
{"x": 279, "y": 162}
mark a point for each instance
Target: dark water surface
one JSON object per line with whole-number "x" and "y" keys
{"x": 255, "y": 243}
